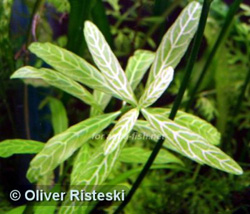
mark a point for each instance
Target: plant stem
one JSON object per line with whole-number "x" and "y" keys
{"x": 29, "y": 32}
{"x": 196, "y": 172}
{"x": 30, "y": 206}
{"x": 193, "y": 56}
{"x": 229, "y": 18}
{"x": 233, "y": 9}
{"x": 7, "y": 106}
{"x": 125, "y": 15}
{"x": 26, "y": 111}
{"x": 26, "y": 61}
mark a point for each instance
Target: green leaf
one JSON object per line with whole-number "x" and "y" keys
{"x": 144, "y": 127}
{"x": 17, "y": 210}
{"x": 138, "y": 65}
{"x": 92, "y": 172}
{"x": 114, "y": 4}
{"x": 70, "y": 208}
{"x": 48, "y": 207}
{"x": 121, "y": 130}
{"x": 57, "y": 80}
{"x": 150, "y": 133}
{"x": 194, "y": 123}
{"x": 70, "y": 65}
{"x": 102, "y": 100}
{"x": 121, "y": 178}
{"x": 108, "y": 63}
{"x": 97, "y": 168}
{"x": 176, "y": 41}
{"x": 80, "y": 161}
{"x": 191, "y": 144}
{"x": 155, "y": 89}
{"x": 45, "y": 208}
{"x": 19, "y": 146}
{"x": 62, "y": 146}
{"x": 58, "y": 115}
{"x": 61, "y": 6}
{"x": 140, "y": 155}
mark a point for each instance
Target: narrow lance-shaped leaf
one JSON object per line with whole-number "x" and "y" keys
{"x": 17, "y": 210}
{"x": 45, "y": 208}
{"x": 70, "y": 207}
{"x": 191, "y": 144}
{"x": 147, "y": 131}
{"x": 151, "y": 133}
{"x": 57, "y": 80}
{"x": 108, "y": 63}
{"x": 19, "y": 146}
{"x": 194, "y": 123}
{"x": 140, "y": 155}
{"x": 94, "y": 172}
{"x": 80, "y": 161}
{"x": 70, "y": 65}
{"x": 98, "y": 167}
{"x": 121, "y": 130}
{"x": 102, "y": 100}
{"x": 155, "y": 89}
{"x": 62, "y": 146}
{"x": 176, "y": 41}
{"x": 58, "y": 115}
{"x": 138, "y": 65}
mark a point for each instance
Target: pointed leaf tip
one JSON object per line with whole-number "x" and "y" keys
{"x": 108, "y": 64}
{"x": 176, "y": 41}
{"x": 62, "y": 146}
{"x": 120, "y": 131}
{"x": 155, "y": 89}
{"x": 190, "y": 144}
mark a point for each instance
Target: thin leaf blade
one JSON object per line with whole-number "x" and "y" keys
{"x": 120, "y": 131}
{"x": 102, "y": 99}
{"x": 144, "y": 127}
{"x": 98, "y": 167}
{"x": 62, "y": 146}
{"x": 80, "y": 161}
{"x": 58, "y": 115}
{"x": 19, "y": 146}
{"x": 194, "y": 123}
{"x": 191, "y": 144}
{"x": 176, "y": 41}
{"x": 57, "y": 80}
{"x": 154, "y": 90}
{"x": 108, "y": 63}
{"x": 17, "y": 210}
{"x": 92, "y": 174}
{"x": 70, "y": 65}
{"x": 141, "y": 155}
{"x": 151, "y": 133}
{"x": 138, "y": 65}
